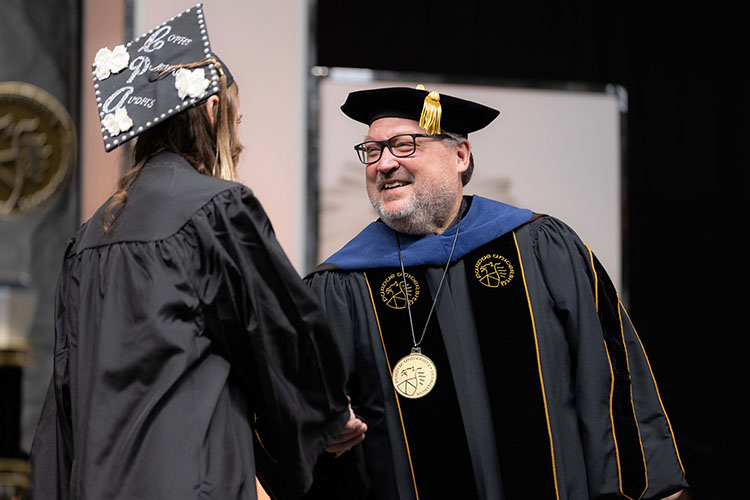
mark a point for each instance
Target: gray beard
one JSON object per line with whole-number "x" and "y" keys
{"x": 426, "y": 214}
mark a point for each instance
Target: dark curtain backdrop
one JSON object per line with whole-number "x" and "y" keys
{"x": 686, "y": 159}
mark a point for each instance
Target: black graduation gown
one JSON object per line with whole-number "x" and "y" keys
{"x": 543, "y": 387}
{"x": 181, "y": 338}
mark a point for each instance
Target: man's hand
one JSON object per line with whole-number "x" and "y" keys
{"x": 353, "y": 433}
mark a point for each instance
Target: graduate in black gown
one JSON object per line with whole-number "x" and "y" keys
{"x": 188, "y": 350}
{"x": 485, "y": 346}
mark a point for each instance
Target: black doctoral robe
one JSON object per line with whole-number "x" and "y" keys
{"x": 180, "y": 339}
{"x": 543, "y": 388}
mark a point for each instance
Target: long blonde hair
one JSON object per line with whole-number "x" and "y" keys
{"x": 212, "y": 149}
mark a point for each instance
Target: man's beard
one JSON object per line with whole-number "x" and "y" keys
{"x": 426, "y": 213}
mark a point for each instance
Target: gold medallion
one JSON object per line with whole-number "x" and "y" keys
{"x": 414, "y": 375}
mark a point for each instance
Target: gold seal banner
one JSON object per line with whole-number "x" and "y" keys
{"x": 38, "y": 147}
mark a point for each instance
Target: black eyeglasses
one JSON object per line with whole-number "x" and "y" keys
{"x": 400, "y": 146}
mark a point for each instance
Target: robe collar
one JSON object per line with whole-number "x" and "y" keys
{"x": 375, "y": 247}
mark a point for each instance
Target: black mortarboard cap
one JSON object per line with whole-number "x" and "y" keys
{"x": 434, "y": 111}
{"x": 159, "y": 74}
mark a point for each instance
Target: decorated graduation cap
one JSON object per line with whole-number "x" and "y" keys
{"x": 159, "y": 74}
{"x": 435, "y": 112}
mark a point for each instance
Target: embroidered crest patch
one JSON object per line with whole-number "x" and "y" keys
{"x": 494, "y": 270}
{"x": 392, "y": 290}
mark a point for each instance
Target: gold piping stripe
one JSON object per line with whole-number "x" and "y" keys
{"x": 596, "y": 278}
{"x": 612, "y": 380}
{"x": 260, "y": 442}
{"x": 539, "y": 365}
{"x": 632, "y": 403}
{"x": 611, "y": 397}
{"x": 658, "y": 394}
{"x": 612, "y": 418}
{"x": 264, "y": 484}
{"x": 398, "y": 404}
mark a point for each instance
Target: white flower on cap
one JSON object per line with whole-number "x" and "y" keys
{"x": 190, "y": 83}
{"x": 110, "y": 61}
{"x": 117, "y": 122}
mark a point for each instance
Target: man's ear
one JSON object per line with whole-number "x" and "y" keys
{"x": 211, "y": 108}
{"x": 463, "y": 155}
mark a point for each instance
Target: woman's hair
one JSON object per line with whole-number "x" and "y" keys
{"x": 211, "y": 149}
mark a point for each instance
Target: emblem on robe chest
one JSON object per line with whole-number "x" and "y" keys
{"x": 392, "y": 290}
{"x": 493, "y": 270}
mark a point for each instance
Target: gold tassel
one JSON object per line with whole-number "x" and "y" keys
{"x": 431, "y": 112}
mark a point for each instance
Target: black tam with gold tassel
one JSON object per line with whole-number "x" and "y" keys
{"x": 433, "y": 111}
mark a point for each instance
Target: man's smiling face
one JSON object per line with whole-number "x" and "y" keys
{"x": 420, "y": 193}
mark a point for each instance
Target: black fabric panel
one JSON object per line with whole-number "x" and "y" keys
{"x": 10, "y": 416}
{"x": 432, "y": 423}
{"x": 505, "y": 330}
{"x": 625, "y": 427}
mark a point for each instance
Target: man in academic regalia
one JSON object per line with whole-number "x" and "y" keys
{"x": 486, "y": 348}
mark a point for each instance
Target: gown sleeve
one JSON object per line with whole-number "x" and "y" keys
{"x": 51, "y": 453}
{"x": 629, "y": 447}
{"x": 344, "y": 477}
{"x": 261, "y": 314}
